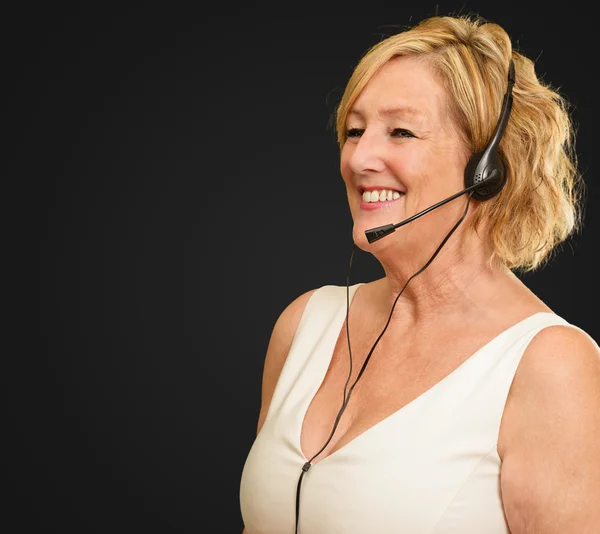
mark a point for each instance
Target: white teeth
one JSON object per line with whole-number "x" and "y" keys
{"x": 383, "y": 195}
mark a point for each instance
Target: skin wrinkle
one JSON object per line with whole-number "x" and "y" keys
{"x": 468, "y": 296}
{"x": 437, "y": 141}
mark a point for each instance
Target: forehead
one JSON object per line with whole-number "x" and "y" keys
{"x": 405, "y": 87}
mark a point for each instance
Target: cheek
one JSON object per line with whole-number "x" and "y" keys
{"x": 427, "y": 170}
{"x": 345, "y": 162}
{"x": 407, "y": 164}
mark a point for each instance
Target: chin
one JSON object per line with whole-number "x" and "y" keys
{"x": 361, "y": 241}
{"x": 367, "y": 216}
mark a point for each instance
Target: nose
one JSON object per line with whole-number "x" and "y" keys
{"x": 367, "y": 155}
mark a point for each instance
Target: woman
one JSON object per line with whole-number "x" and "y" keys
{"x": 479, "y": 410}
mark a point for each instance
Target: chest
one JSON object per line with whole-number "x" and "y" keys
{"x": 399, "y": 460}
{"x": 397, "y": 372}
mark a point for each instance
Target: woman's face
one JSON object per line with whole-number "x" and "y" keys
{"x": 402, "y": 147}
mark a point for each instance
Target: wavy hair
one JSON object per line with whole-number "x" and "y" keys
{"x": 540, "y": 205}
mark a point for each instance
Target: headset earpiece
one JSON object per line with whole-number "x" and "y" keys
{"x": 489, "y": 168}
{"x": 487, "y": 165}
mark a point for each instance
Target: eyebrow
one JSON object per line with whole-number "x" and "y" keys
{"x": 395, "y": 111}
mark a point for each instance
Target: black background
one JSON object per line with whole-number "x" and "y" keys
{"x": 184, "y": 174}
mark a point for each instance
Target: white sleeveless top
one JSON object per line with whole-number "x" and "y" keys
{"x": 432, "y": 467}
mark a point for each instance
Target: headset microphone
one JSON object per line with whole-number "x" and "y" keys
{"x": 485, "y": 173}
{"x": 381, "y": 231}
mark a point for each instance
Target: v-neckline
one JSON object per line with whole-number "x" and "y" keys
{"x": 363, "y": 435}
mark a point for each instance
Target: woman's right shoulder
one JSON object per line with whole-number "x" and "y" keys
{"x": 280, "y": 343}
{"x": 289, "y": 319}
{"x": 284, "y": 331}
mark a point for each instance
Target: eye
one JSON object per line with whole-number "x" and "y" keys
{"x": 401, "y": 132}
{"x": 354, "y": 132}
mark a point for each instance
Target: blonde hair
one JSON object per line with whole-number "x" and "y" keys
{"x": 539, "y": 207}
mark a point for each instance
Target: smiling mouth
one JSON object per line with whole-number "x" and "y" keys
{"x": 380, "y": 196}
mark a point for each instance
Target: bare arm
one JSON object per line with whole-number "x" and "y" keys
{"x": 277, "y": 351}
{"x": 550, "y": 475}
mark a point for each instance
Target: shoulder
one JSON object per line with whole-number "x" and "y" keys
{"x": 559, "y": 370}
{"x": 284, "y": 331}
{"x": 287, "y": 323}
{"x": 280, "y": 341}
{"x": 559, "y": 367}
{"x": 551, "y": 434}
{"x": 556, "y": 356}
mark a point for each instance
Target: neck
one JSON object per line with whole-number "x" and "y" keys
{"x": 459, "y": 276}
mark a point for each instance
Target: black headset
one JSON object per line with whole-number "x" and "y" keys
{"x": 485, "y": 172}
{"x": 485, "y": 176}
{"x": 487, "y": 165}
